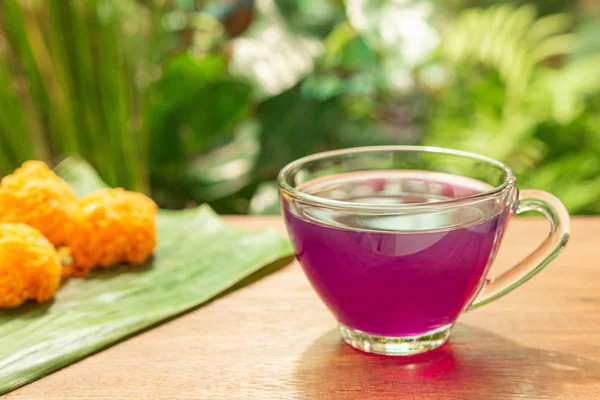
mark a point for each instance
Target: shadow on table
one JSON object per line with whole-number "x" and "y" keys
{"x": 475, "y": 364}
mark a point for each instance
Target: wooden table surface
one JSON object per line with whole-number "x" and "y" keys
{"x": 274, "y": 339}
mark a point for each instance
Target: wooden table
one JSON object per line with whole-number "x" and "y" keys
{"x": 274, "y": 339}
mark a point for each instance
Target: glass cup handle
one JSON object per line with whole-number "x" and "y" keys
{"x": 555, "y": 211}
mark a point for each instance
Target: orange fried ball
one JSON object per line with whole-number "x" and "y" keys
{"x": 111, "y": 226}
{"x": 29, "y": 265}
{"x": 34, "y": 195}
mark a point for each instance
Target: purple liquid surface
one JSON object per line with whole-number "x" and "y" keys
{"x": 395, "y": 276}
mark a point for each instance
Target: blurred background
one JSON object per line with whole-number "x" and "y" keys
{"x": 204, "y": 101}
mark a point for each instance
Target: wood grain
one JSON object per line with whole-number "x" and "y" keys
{"x": 273, "y": 339}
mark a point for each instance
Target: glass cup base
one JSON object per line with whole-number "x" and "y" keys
{"x": 396, "y": 346}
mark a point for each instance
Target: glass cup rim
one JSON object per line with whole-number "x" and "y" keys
{"x": 299, "y": 195}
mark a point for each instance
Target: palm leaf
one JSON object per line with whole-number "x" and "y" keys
{"x": 193, "y": 263}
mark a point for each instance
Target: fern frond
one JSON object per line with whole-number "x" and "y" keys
{"x": 510, "y": 40}
{"x": 549, "y": 25}
{"x": 567, "y": 89}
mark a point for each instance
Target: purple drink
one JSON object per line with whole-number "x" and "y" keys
{"x": 395, "y": 275}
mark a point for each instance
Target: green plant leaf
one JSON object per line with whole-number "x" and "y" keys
{"x": 567, "y": 89}
{"x": 311, "y": 17}
{"x": 588, "y": 35}
{"x": 508, "y": 39}
{"x": 225, "y": 169}
{"x": 194, "y": 109}
{"x": 270, "y": 56}
{"x": 573, "y": 178}
{"x": 265, "y": 200}
{"x": 82, "y": 177}
{"x": 293, "y": 127}
{"x": 398, "y": 29}
{"x": 193, "y": 104}
{"x": 193, "y": 263}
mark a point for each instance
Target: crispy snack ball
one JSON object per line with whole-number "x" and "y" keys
{"x": 34, "y": 195}
{"x": 111, "y": 226}
{"x": 29, "y": 265}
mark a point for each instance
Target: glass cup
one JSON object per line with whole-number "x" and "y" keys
{"x": 397, "y": 240}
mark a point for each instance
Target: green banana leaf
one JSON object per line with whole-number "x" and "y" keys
{"x": 198, "y": 256}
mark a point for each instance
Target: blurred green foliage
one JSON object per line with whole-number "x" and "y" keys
{"x": 204, "y": 101}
